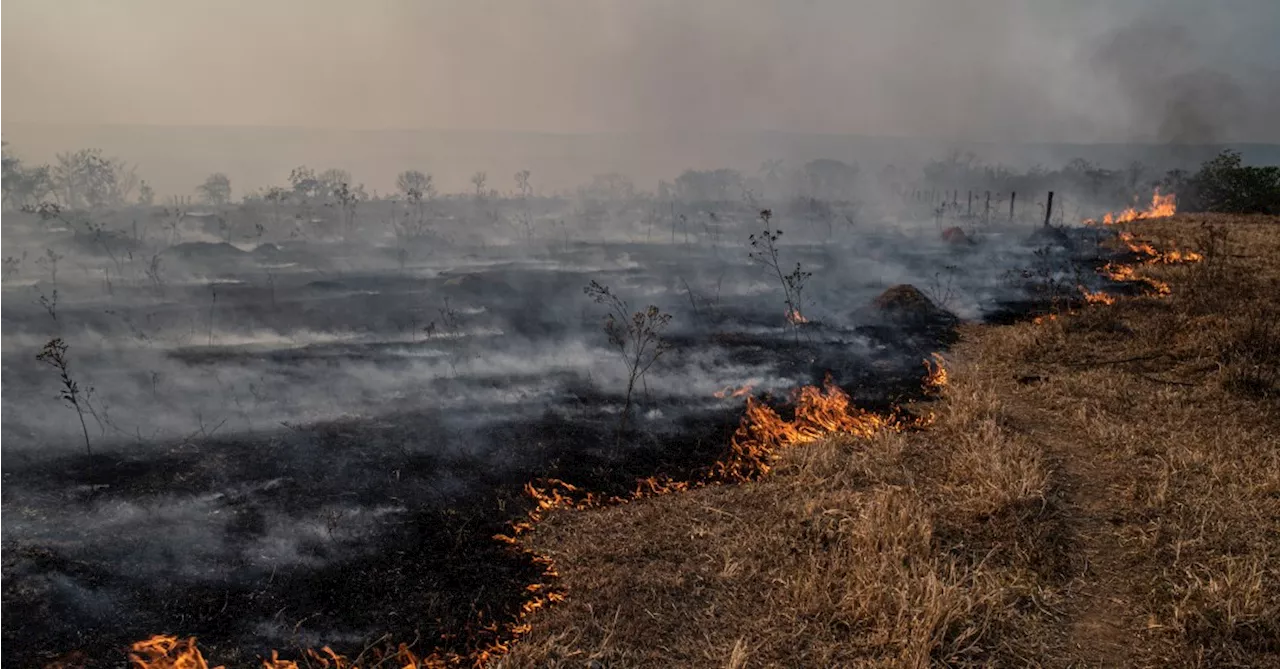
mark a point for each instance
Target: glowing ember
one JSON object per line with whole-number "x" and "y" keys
{"x": 731, "y": 392}
{"x": 1161, "y": 206}
{"x": 935, "y": 376}
{"x": 795, "y": 317}
{"x": 167, "y": 652}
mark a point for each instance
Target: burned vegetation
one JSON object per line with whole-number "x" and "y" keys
{"x": 318, "y": 424}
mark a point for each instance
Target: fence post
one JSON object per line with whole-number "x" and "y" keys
{"x": 1013, "y": 197}
{"x": 1048, "y": 209}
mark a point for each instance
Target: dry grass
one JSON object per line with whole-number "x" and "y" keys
{"x": 1102, "y": 489}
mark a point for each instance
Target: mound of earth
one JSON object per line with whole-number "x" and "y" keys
{"x": 955, "y": 235}
{"x": 906, "y": 300}
{"x": 904, "y": 313}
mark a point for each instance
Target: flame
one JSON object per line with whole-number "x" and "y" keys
{"x": 1096, "y": 298}
{"x": 761, "y": 435}
{"x": 1126, "y": 274}
{"x": 1152, "y": 256}
{"x": 731, "y": 392}
{"x": 795, "y": 317}
{"x": 1122, "y": 273}
{"x": 935, "y": 374}
{"x": 167, "y": 652}
{"x": 1176, "y": 256}
{"x": 1161, "y": 206}
{"x": 1138, "y": 246}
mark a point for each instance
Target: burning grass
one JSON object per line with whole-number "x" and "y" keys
{"x": 1162, "y": 206}
{"x": 832, "y": 560}
{"x": 1098, "y": 488}
{"x": 762, "y": 437}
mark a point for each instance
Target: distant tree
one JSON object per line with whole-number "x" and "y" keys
{"x": 24, "y": 186}
{"x": 347, "y": 198}
{"x": 1226, "y": 184}
{"x": 146, "y": 196}
{"x": 216, "y": 190}
{"x": 772, "y": 170}
{"x": 526, "y": 214}
{"x": 827, "y": 179}
{"x": 478, "y": 180}
{"x": 304, "y": 183}
{"x": 332, "y": 180}
{"x": 10, "y": 173}
{"x": 709, "y": 185}
{"x": 415, "y": 185}
{"x": 522, "y": 183}
{"x": 86, "y": 178}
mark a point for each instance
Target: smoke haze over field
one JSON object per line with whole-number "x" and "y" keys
{"x": 646, "y": 89}
{"x": 991, "y": 71}
{"x": 284, "y": 341}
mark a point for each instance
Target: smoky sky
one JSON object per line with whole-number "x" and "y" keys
{"x": 997, "y": 70}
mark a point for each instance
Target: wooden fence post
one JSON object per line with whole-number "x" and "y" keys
{"x": 1048, "y": 209}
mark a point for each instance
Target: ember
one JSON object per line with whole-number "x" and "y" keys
{"x": 731, "y": 392}
{"x": 795, "y": 317}
{"x": 935, "y": 377}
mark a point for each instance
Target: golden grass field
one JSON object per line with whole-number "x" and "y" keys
{"x": 1100, "y": 488}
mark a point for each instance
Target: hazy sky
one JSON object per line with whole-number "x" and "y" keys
{"x": 1051, "y": 70}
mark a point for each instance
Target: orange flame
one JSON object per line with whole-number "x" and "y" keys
{"x": 935, "y": 374}
{"x": 1096, "y": 298}
{"x": 761, "y": 435}
{"x": 1161, "y": 206}
{"x": 1153, "y": 256}
{"x": 1126, "y": 274}
{"x": 795, "y": 317}
{"x": 1175, "y": 256}
{"x": 167, "y": 652}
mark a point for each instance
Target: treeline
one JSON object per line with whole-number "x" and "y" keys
{"x": 84, "y": 179}
{"x": 87, "y": 179}
{"x": 1225, "y": 184}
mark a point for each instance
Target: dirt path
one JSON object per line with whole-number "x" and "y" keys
{"x": 1102, "y": 623}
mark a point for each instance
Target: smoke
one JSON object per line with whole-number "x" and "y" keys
{"x": 991, "y": 71}
{"x": 1178, "y": 91}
